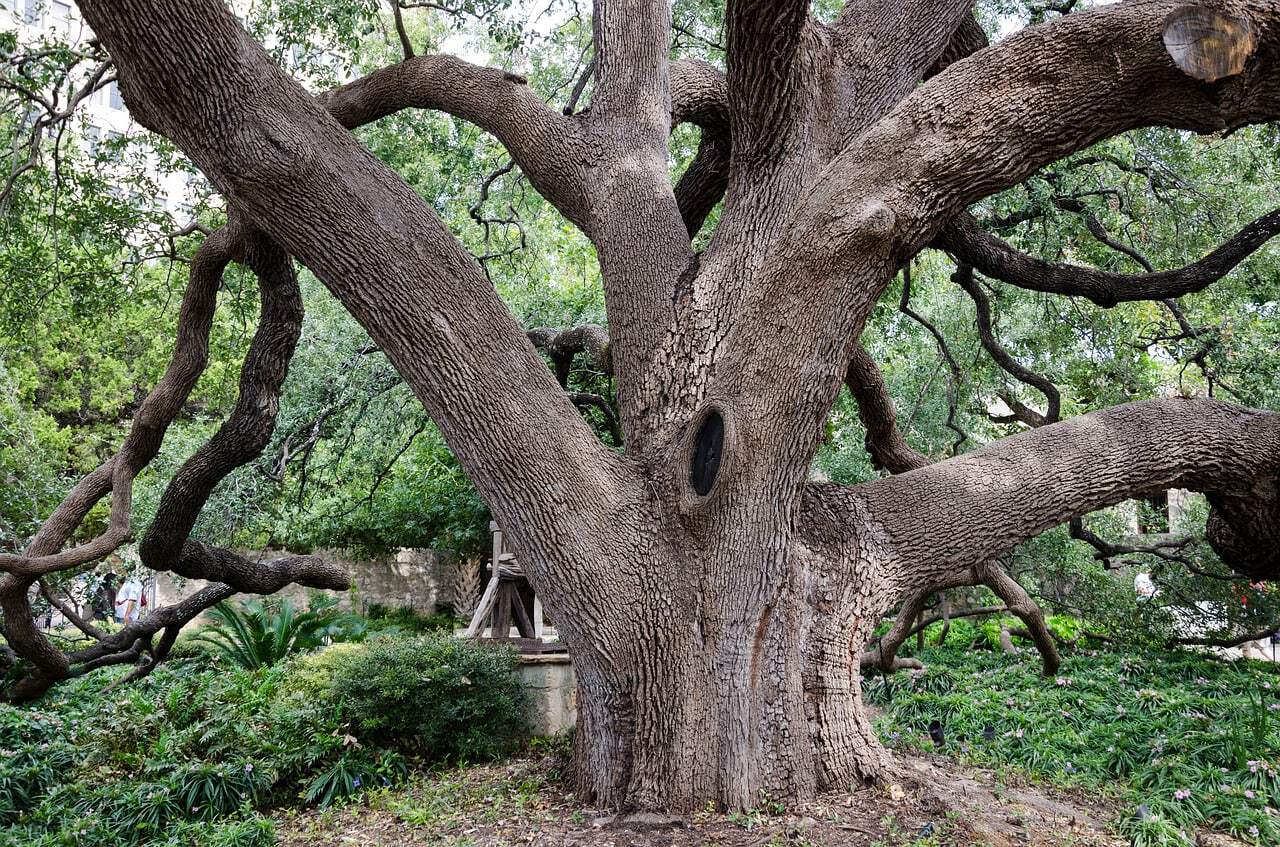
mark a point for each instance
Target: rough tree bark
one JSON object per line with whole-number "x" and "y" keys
{"x": 714, "y": 600}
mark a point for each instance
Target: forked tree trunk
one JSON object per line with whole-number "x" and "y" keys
{"x": 715, "y": 602}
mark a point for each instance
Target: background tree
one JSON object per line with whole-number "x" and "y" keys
{"x": 716, "y": 600}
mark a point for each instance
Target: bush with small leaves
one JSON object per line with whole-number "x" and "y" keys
{"x": 437, "y": 696}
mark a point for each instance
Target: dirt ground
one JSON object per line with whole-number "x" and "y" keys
{"x": 936, "y": 802}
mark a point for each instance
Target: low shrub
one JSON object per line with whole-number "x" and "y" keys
{"x": 311, "y": 674}
{"x": 189, "y": 754}
{"x": 438, "y": 696}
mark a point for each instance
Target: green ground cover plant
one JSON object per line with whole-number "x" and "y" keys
{"x": 1184, "y": 741}
{"x": 194, "y": 753}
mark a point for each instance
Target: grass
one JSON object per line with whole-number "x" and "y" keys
{"x": 1182, "y": 741}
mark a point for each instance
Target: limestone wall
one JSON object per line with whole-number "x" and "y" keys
{"x": 417, "y": 578}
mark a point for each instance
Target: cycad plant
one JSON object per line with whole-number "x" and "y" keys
{"x": 257, "y": 634}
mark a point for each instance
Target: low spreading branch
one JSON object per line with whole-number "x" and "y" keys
{"x": 1082, "y": 465}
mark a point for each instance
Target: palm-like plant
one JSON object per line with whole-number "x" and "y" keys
{"x": 257, "y": 634}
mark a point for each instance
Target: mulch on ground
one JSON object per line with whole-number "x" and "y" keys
{"x": 523, "y": 804}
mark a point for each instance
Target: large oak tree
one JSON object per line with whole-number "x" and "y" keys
{"x": 715, "y": 601}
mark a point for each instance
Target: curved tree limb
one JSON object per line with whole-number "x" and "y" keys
{"x": 1020, "y": 603}
{"x": 166, "y": 545}
{"x": 704, "y": 181}
{"x": 191, "y": 352}
{"x": 982, "y": 502}
{"x": 884, "y": 442}
{"x": 699, "y": 95}
{"x": 995, "y": 258}
{"x": 584, "y": 400}
{"x": 562, "y": 345}
{"x": 964, "y": 278}
{"x": 547, "y": 145}
{"x": 954, "y": 374}
{"x": 241, "y": 439}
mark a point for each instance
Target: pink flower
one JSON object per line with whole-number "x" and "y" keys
{"x": 1248, "y": 793}
{"x": 1182, "y": 794}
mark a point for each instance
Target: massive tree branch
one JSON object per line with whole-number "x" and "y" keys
{"x": 632, "y": 40}
{"x": 981, "y": 125}
{"x": 763, "y": 40}
{"x": 636, "y": 226}
{"x": 995, "y": 258}
{"x": 981, "y": 505}
{"x": 883, "y": 49}
{"x": 547, "y": 145}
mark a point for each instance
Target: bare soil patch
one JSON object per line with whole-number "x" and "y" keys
{"x": 936, "y": 802}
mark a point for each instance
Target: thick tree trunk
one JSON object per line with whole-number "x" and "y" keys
{"x": 710, "y": 694}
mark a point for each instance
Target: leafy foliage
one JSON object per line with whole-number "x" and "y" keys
{"x": 195, "y": 750}
{"x": 1186, "y": 740}
{"x": 260, "y": 633}
{"x": 438, "y": 695}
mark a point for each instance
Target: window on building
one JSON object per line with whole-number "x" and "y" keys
{"x": 31, "y": 11}
{"x": 61, "y": 10}
{"x": 93, "y": 137}
{"x": 113, "y": 96}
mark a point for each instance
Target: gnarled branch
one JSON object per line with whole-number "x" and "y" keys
{"x": 964, "y": 278}
{"x": 971, "y": 244}
{"x": 546, "y": 145}
{"x": 884, "y": 442}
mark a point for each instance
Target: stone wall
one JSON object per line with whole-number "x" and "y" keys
{"x": 418, "y": 578}
{"x": 553, "y": 692}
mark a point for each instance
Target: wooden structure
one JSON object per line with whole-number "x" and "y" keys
{"x": 502, "y": 603}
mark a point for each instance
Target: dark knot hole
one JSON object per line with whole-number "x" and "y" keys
{"x": 708, "y": 450}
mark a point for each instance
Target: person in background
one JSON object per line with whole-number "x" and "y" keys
{"x": 128, "y": 601}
